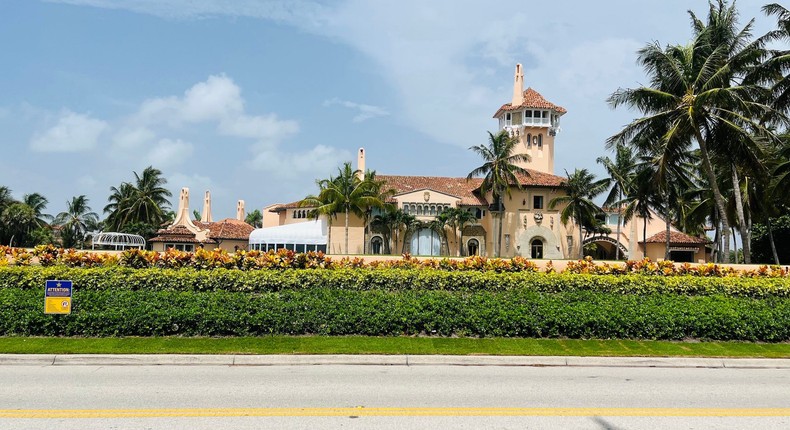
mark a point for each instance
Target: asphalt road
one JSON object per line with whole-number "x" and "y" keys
{"x": 391, "y": 397}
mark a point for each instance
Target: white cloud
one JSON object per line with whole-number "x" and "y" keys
{"x": 131, "y": 137}
{"x": 168, "y": 152}
{"x": 306, "y": 165}
{"x": 366, "y": 112}
{"x": 73, "y": 133}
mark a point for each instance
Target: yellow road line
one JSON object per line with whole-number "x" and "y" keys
{"x": 391, "y": 412}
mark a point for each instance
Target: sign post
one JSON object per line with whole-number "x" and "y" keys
{"x": 57, "y": 297}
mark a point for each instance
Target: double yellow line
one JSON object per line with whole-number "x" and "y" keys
{"x": 392, "y": 412}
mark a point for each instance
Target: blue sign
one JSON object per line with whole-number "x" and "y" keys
{"x": 57, "y": 297}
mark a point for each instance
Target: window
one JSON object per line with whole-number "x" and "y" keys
{"x": 516, "y": 118}
{"x": 536, "y": 248}
{"x": 507, "y": 119}
{"x": 537, "y": 202}
{"x": 614, "y": 219}
{"x": 540, "y": 141}
{"x": 529, "y": 140}
{"x": 186, "y": 247}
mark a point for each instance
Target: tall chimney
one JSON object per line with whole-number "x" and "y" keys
{"x": 361, "y": 163}
{"x": 206, "y": 215}
{"x": 182, "y": 216}
{"x": 240, "y": 210}
{"x": 518, "y": 87}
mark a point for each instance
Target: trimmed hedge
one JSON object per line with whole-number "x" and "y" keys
{"x": 154, "y": 302}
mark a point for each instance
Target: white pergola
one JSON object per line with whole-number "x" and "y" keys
{"x": 117, "y": 240}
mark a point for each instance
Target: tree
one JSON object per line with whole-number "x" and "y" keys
{"x": 196, "y": 214}
{"x": 457, "y": 218}
{"x": 75, "y": 220}
{"x": 38, "y": 204}
{"x": 580, "y": 188}
{"x": 692, "y": 96}
{"x": 500, "y": 172}
{"x": 19, "y": 220}
{"x": 346, "y": 193}
{"x": 621, "y": 172}
{"x": 778, "y": 65}
{"x": 145, "y": 200}
{"x": 254, "y": 218}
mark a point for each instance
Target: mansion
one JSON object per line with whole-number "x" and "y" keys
{"x": 530, "y": 228}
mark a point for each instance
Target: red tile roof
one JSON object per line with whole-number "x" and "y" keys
{"x": 675, "y": 238}
{"x": 177, "y": 234}
{"x": 228, "y": 228}
{"x": 466, "y": 191}
{"x": 532, "y": 99}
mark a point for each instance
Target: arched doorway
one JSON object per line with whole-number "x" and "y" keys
{"x": 604, "y": 248}
{"x": 426, "y": 242}
{"x": 473, "y": 247}
{"x": 376, "y": 245}
{"x": 536, "y": 248}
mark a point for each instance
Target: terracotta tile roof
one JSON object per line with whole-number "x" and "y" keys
{"x": 456, "y": 187}
{"x": 675, "y": 238}
{"x": 177, "y": 234}
{"x": 532, "y": 99}
{"x": 466, "y": 191}
{"x": 228, "y": 228}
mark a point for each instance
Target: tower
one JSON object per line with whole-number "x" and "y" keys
{"x": 534, "y": 121}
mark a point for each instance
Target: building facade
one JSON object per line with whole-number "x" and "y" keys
{"x": 529, "y": 227}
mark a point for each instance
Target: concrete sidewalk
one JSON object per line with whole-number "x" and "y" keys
{"x": 384, "y": 360}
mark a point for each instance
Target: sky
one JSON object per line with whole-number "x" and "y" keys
{"x": 254, "y": 100}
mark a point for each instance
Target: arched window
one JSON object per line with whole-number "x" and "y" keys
{"x": 536, "y": 248}
{"x": 529, "y": 140}
{"x": 376, "y": 245}
{"x": 473, "y": 247}
{"x": 414, "y": 209}
{"x": 406, "y": 209}
{"x": 540, "y": 141}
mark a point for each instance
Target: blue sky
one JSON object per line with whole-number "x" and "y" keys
{"x": 254, "y": 100}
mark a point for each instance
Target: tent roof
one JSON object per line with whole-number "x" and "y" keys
{"x": 308, "y": 233}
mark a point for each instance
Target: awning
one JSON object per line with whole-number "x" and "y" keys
{"x": 307, "y": 233}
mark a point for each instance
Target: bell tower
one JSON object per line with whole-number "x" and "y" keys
{"x": 534, "y": 121}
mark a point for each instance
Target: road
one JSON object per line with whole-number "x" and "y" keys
{"x": 391, "y": 397}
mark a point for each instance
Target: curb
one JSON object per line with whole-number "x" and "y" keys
{"x": 386, "y": 360}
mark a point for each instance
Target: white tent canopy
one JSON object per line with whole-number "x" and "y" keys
{"x": 310, "y": 233}
{"x": 118, "y": 240}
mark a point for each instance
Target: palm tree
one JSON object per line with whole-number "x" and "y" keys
{"x": 381, "y": 193}
{"x": 75, "y": 220}
{"x": 254, "y": 218}
{"x": 621, "y": 172}
{"x": 18, "y": 220}
{"x": 778, "y": 64}
{"x": 38, "y": 203}
{"x": 118, "y": 206}
{"x": 457, "y": 218}
{"x": 693, "y": 97}
{"x": 150, "y": 197}
{"x": 348, "y": 193}
{"x": 580, "y": 187}
{"x": 439, "y": 225}
{"x": 499, "y": 171}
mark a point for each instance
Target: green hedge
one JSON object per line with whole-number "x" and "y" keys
{"x": 121, "y": 302}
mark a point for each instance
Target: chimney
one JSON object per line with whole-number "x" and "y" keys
{"x": 206, "y": 215}
{"x": 240, "y": 210}
{"x": 361, "y": 163}
{"x": 182, "y": 216}
{"x": 518, "y": 87}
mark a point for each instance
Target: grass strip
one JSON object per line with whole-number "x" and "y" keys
{"x": 388, "y": 345}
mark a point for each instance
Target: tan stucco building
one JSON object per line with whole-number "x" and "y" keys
{"x": 530, "y": 228}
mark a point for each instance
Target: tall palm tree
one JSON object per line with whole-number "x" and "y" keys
{"x": 500, "y": 172}
{"x": 346, "y": 193}
{"x": 580, "y": 187}
{"x": 692, "y": 97}
{"x": 75, "y": 220}
{"x": 378, "y": 189}
{"x": 621, "y": 172}
{"x": 118, "y": 207}
{"x": 254, "y": 218}
{"x": 778, "y": 65}
{"x": 38, "y": 204}
{"x": 150, "y": 197}
{"x": 457, "y": 218}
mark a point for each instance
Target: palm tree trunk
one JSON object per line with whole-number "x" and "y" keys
{"x": 501, "y": 222}
{"x": 461, "y": 242}
{"x": 617, "y": 245}
{"x": 773, "y": 245}
{"x": 581, "y": 248}
{"x": 644, "y": 238}
{"x": 346, "y": 230}
{"x": 734, "y": 246}
{"x": 717, "y": 196}
{"x": 666, "y": 244}
{"x": 744, "y": 230}
{"x": 328, "y": 233}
